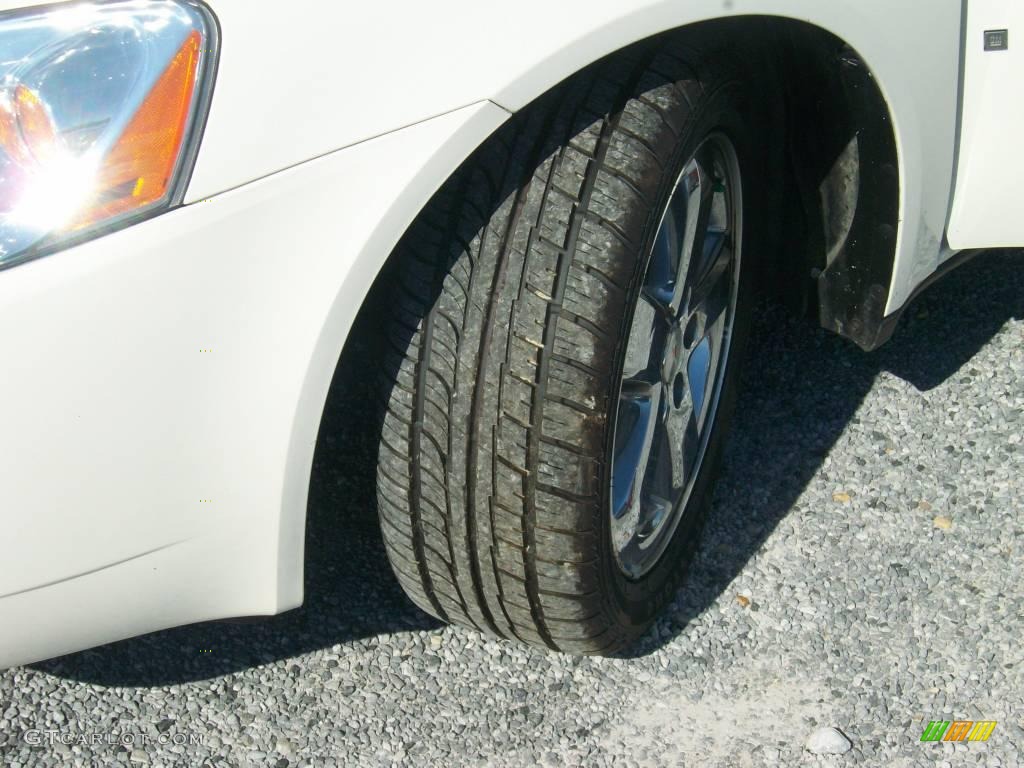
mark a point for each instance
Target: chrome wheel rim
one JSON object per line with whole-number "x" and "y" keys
{"x": 676, "y": 356}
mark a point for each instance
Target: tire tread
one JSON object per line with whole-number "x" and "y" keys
{"x": 495, "y": 420}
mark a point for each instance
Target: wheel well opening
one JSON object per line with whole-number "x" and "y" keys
{"x": 836, "y": 188}
{"x": 835, "y": 178}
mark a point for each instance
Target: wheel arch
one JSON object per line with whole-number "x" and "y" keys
{"x": 843, "y": 166}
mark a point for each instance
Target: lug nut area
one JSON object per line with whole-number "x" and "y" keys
{"x": 678, "y": 391}
{"x": 694, "y": 328}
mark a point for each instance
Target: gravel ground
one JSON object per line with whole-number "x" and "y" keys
{"x": 861, "y": 569}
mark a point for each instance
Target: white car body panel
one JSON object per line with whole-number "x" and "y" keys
{"x": 166, "y": 484}
{"x": 987, "y": 206}
{"x": 343, "y": 73}
{"x": 144, "y": 482}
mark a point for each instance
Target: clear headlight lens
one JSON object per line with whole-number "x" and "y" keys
{"x": 98, "y": 108}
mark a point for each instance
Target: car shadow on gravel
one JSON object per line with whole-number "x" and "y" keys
{"x": 802, "y": 389}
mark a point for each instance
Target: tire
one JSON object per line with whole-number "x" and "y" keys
{"x": 512, "y": 299}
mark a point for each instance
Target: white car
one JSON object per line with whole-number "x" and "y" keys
{"x": 566, "y": 207}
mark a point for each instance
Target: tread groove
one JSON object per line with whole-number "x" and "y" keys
{"x": 490, "y": 317}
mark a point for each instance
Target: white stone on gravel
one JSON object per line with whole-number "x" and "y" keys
{"x": 828, "y": 741}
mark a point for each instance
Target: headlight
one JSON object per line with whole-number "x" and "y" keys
{"x": 100, "y": 105}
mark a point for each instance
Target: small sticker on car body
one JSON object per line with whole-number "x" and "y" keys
{"x": 997, "y": 39}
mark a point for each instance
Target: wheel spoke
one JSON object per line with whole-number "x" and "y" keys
{"x": 672, "y": 469}
{"x": 638, "y": 414}
{"x": 692, "y": 444}
{"x": 696, "y": 198}
{"x": 663, "y": 268}
{"x": 707, "y": 356}
{"x": 642, "y": 349}
{"x": 710, "y": 308}
{"x": 656, "y": 491}
{"x": 702, "y": 210}
{"x": 676, "y": 451}
{"x": 712, "y": 253}
{"x": 715, "y": 269}
{"x": 698, "y": 378}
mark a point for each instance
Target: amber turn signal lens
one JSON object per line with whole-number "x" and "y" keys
{"x": 140, "y": 167}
